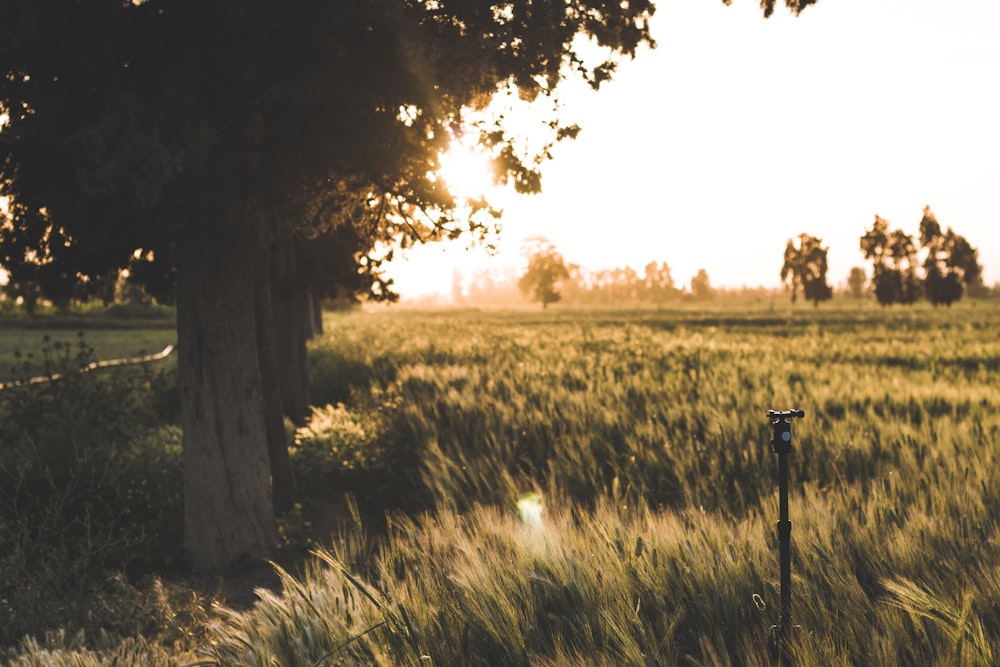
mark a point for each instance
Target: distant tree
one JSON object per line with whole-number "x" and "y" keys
{"x": 856, "y": 280}
{"x": 894, "y": 259}
{"x": 599, "y": 286}
{"x": 574, "y": 287}
{"x": 658, "y": 282}
{"x": 493, "y": 287}
{"x": 903, "y": 251}
{"x": 805, "y": 266}
{"x": 627, "y": 284}
{"x": 951, "y": 263}
{"x": 701, "y": 287}
{"x": 546, "y": 270}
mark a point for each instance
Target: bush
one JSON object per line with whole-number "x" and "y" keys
{"x": 356, "y": 450}
{"x": 153, "y": 623}
{"x": 334, "y": 377}
{"x": 90, "y": 482}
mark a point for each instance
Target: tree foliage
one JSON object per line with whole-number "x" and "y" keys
{"x": 126, "y": 117}
{"x": 545, "y": 272}
{"x": 658, "y": 282}
{"x": 701, "y": 286}
{"x": 856, "y": 280}
{"x": 795, "y": 6}
{"x": 805, "y": 267}
{"x": 950, "y": 263}
{"x": 893, "y": 255}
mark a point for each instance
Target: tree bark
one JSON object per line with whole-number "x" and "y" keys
{"x": 228, "y": 512}
{"x": 283, "y": 486}
{"x": 292, "y": 326}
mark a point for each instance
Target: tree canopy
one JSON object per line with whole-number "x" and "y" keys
{"x": 795, "y": 6}
{"x": 126, "y": 119}
{"x": 805, "y": 267}
{"x": 856, "y": 280}
{"x": 701, "y": 285}
{"x": 950, "y": 262}
{"x": 545, "y": 271}
{"x": 894, "y": 258}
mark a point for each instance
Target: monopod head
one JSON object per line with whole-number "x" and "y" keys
{"x": 786, "y": 414}
{"x": 782, "y": 441}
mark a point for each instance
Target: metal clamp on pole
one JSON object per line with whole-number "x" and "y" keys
{"x": 781, "y": 443}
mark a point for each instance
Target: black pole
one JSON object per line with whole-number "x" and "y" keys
{"x": 781, "y": 442}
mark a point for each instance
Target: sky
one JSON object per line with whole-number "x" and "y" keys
{"x": 738, "y": 133}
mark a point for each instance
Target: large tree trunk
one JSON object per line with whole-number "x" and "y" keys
{"x": 283, "y": 486}
{"x": 228, "y": 512}
{"x": 293, "y": 328}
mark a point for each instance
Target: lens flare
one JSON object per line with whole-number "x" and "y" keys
{"x": 529, "y": 506}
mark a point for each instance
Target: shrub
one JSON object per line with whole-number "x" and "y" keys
{"x": 150, "y": 624}
{"x": 89, "y": 483}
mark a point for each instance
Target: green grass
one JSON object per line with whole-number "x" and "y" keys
{"x": 644, "y": 434}
{"x": 25, "y": 342}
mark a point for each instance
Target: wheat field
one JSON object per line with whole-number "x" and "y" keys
{"x": 643, "y": 436}
{"x": 597, "y": 487}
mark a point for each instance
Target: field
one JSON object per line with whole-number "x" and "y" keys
{"x": 597, "y": 488}
{"x": 25, "y": 343}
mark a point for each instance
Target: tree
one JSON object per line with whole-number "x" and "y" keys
{"x": 805, "y": 267}
{"x": 546, "y": 270}
{"x": 574, "y": 288}
{"x": 903, "y": 252}
{"x": 658, "y": 282}
{"x": 204, "y": 137}
{"x": 893, "y": 255}
{"x": 951, "y": 264}
{"x": 856, "y": 280}
{"x": 701, "y": 287}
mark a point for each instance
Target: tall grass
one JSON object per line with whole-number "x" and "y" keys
{"x": 645, "y": 436}
{"x": 614, "y": 416}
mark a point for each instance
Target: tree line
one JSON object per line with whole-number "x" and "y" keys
{"x": 949, "y": 268}
{"x": 548, "y": 278}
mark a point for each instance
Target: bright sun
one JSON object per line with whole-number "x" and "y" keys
{"x": 466, "y": 171}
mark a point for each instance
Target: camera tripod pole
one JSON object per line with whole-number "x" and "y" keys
{"x": 781, "y": 443}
